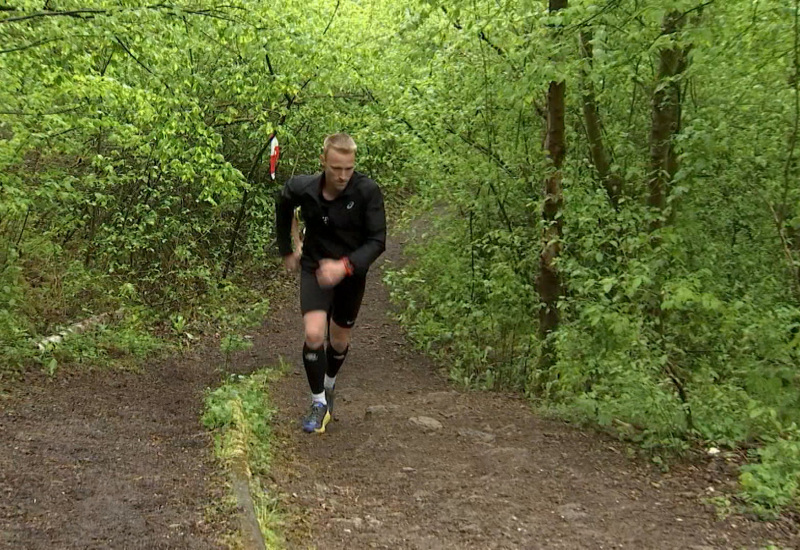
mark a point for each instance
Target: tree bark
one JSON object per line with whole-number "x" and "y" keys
{"x": 549, "y": 284}
{"x": 666, "y": 123}
{"x": 594, "y": 128}
{"x": 666, "y": 116}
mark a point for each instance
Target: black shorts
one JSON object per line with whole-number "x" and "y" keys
{"x": 342, "y": 301}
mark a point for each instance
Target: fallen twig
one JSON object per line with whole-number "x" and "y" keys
{"x": 77, "y": 328}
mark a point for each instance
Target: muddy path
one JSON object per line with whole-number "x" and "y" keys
{"x": 119, "y": 460}
{"x": 413, "y": 463}
{"x": 111, "y": 460}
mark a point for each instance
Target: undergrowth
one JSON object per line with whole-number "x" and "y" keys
{"x": 240, "y": 415}
{"x": 42, "y": 297}
{"x": 713, "y": 370}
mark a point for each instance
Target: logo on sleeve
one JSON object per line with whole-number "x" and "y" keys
{"x": 350, "y": 205}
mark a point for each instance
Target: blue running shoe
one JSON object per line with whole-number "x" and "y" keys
{"x": 318, "y": 417}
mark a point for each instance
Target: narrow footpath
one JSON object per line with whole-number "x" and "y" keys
{"x": 111, "y": 460}
{"x": 119, "y": 460}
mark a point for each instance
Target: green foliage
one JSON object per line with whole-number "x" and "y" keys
{"x": 233, "y": 343}
{"x": 131, "y": 138}
{"x": 484, "y": 346}
{"x": 681, "y": 335}
{"x": 772, "y": 482}
{"x": 250, "y": 392}
{"x": 124, "y": 345}
{"x": 240, "y": 415}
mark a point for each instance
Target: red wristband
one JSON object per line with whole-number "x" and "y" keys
{"x": 348, "y": 267}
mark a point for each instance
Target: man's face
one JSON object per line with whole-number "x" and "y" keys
{"x": 338, "y": 167}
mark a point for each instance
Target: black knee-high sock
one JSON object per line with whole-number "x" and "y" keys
{"x": 315, "y": 362}
{"x": 335, "y": 360}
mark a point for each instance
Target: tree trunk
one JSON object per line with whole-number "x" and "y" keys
{"x": 666, "y": 117}
{"x": 594, "y": 128}
{"x": 666, "y": 123}
{"x": 549, "y": 283}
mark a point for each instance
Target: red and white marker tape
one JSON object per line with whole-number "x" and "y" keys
{"x": 274, "y": 154}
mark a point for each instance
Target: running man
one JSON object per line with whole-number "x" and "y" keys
{"x": 345, "y": 231}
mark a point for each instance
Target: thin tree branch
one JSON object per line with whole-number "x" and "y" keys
{"x": 483, "y": 37}
{"x": 145, "y": 67}
{"x": 124, "y": 47}
{"x": 249, "y": 178}
{"x": 91, "y": 12}
{"x": 500, "y": 51}
{"x": 796, "y": 126}
{"x": 352, "y": 97}
{"x": 587, "y": 21}
{"x": 493, "y": 156}
{"x": 500, "y": 203}
{"x": 209, "y": 13}
{"x": 593, "y": 125}
{"x": 31, "y": 45}
{"x": 232, "y": 122}
{"x": 23, "y": 113}
{"x": 787, "y": 249}
{"x": 455, "y": 23}
{"x": 338, "y": 2}
{"x": 272, "y": 72}
{"x": 106, "y": 64}
{"x": 699, "y": 7}
{"x": 71, "y": 13}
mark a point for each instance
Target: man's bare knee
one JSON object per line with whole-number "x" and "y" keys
{"x": 339, "y": 337}
{"x": 315, "y": 328}
{"x": 315, "y": 340}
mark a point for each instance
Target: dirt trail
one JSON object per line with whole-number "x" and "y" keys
{"x": 119, "y": 460}
{"x": 109, "y": 460}
{"x": 478, "y": 471}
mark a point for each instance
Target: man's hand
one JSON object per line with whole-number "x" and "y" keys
{"x": 330, "y": 272}
{"x": 292, "y": 261}
{"x": 297, "y": 239}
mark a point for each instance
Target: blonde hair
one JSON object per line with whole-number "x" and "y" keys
{"x": 341, "y": 142}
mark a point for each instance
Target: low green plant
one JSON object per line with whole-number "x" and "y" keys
{"x": 240, "y": 415}
{"x": 771, "y": 481}
{"x": 723, "y": 506}
{"x": 231, "y": 344}
{"x": 659, "y": 354}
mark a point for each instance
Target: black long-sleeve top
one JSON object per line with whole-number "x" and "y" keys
{"x": 352, "y": 225}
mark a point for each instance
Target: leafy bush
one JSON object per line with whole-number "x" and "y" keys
{"x": 773, "y": 482}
